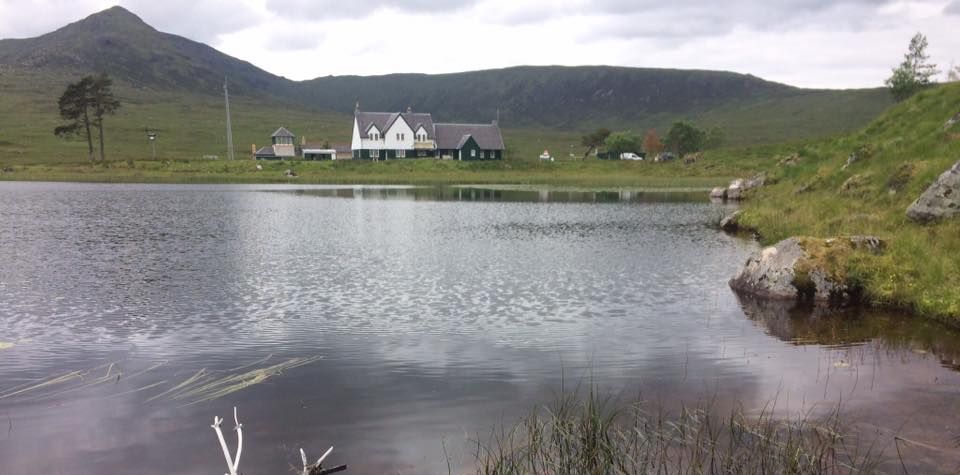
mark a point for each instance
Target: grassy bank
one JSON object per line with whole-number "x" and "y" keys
{"x": 595, "y": 435}
{"x": 899, "y": 155}
{"x": 591, "y": 173}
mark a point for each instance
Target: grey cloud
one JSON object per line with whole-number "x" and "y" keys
{"x": 690, "y": 20}
{"x": 44, "y": 16}
{"x": 197, "y": 20}
{"x": 318, "y": 9}
{"x": 296, "y": 39}
{"x": 953, "y": 8}
{"x": 716, "y": 16}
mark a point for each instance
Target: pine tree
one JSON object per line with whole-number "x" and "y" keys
{"x": 83, "y": 105}
{"x": 74, "y": 105}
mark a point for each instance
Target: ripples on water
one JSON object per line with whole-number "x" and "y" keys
{"x": 435, "y": 311}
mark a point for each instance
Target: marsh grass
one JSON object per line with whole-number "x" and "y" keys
{"x": 594, "y": 435}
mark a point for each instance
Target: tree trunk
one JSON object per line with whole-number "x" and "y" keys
{"x": 86, "y": 126}
{"x": 100, "y": 128}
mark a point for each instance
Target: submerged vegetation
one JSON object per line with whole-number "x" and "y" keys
{"x": 201, "y": 386}
{"x": 594, "y": 435}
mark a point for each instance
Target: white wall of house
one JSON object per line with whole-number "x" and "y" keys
{"x": 399, "y": 136}
{"x": 361, "y": 139}
{"x": 357, "y": 142}
{"x": 421, "y": 131}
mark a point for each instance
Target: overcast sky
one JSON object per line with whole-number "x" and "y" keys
{"x": 812, "y": 43}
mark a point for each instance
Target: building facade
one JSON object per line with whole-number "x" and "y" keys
{"x": 396, "y": 135}
{"x": 281, "y": 146}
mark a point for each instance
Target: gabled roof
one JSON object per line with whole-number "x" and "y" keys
{"x": 453, "y": 136}
{"x": 463, "y": 141}
{"x": 283, "y": 132}
{"x": 384, "y": 120}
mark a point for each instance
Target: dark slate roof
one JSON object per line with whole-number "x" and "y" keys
{"x": 265, "y": 151}
{"x": 283, "y": 132}
{"x": 366, "y": 119}
{"x": 384, "y": 120}
{"x": 343, "y": 147}
{"x": 452, "y": 136}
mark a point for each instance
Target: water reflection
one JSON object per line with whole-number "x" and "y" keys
{"x": 528, "y": 194}
{"x": 899, "y": 334}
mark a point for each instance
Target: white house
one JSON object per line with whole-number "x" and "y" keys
{"x": 392, "y": 135}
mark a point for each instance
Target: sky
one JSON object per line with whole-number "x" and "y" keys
{"x": 807, "y": 43}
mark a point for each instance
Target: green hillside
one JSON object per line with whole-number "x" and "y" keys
{"x": 903, "y": 152}
{"x": 173, "y": 83}
{"x": 580, "y": 98}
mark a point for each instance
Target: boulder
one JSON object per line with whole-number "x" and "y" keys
{"x": 739, "y": 187}
{"x": 790, "y": 160}
{"x": 730, "y": 223}
{"x": 953, "y": 121}
{"x": 718, "y": 193}
{"x": 735, "y": 190}
{"x": 809, "y": 269}
{"x": 756, "y": 182}
{"x": 940, "y": 201}
{"x": 862, "y": 152}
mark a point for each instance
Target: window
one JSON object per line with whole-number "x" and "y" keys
{"x": 473, "y": 153}
{"x": 401, "y": 154}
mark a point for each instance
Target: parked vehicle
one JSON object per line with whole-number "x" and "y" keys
{"x": 665, "y": 157}
{"x": 545, "y": 156}
{"x": 630, "y": 156}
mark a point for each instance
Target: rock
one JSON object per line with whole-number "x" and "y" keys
{"x": 735, "y": 190}
{"x": 6, "y": 170}
{"x": 739, "y": 187}
{"x": 804, "y": 269}
{"x": 769, "y": 273}
{"x": 730, "y": 223}
{"x": 259, "y": 167}
{"x": 692, "y": 158}
{"x": 790, "y": 160}
{"x": 756, "y": 182}
{"x": 953, "y": 121}
{"x": 861, "y": 153}
{"x": 290, "y": 173}
{"x": 940, "y": 201}
{"x": 718, "y": 193}
{"x": 855, "y": 185}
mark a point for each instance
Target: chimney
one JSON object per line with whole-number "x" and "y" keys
{"x": 303, "y": 140}
{"x": 253, "y": 150}
{"x": 409, "y": 109}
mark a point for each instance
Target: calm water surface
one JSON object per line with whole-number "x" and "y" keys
{"x": 411, "y": 318}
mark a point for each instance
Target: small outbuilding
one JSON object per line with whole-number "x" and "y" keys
{"x": 281, "y": 146}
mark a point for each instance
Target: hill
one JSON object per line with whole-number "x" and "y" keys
{"x": 901, "y": 153}
{"x": 576, "y": 98}
{"x": 119, "y": 43}
{"x": 150, "y": 66}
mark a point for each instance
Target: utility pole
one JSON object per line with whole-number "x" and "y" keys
{"x": 226, "y": 99}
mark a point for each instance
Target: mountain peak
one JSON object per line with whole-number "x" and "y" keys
{"x": 111, "y": 19}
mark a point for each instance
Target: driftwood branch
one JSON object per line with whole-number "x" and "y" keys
{"x": 317, "y": 468}
{"x": 232, "y": 463}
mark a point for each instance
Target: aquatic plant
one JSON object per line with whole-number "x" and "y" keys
{"x": 594, "y": 436}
